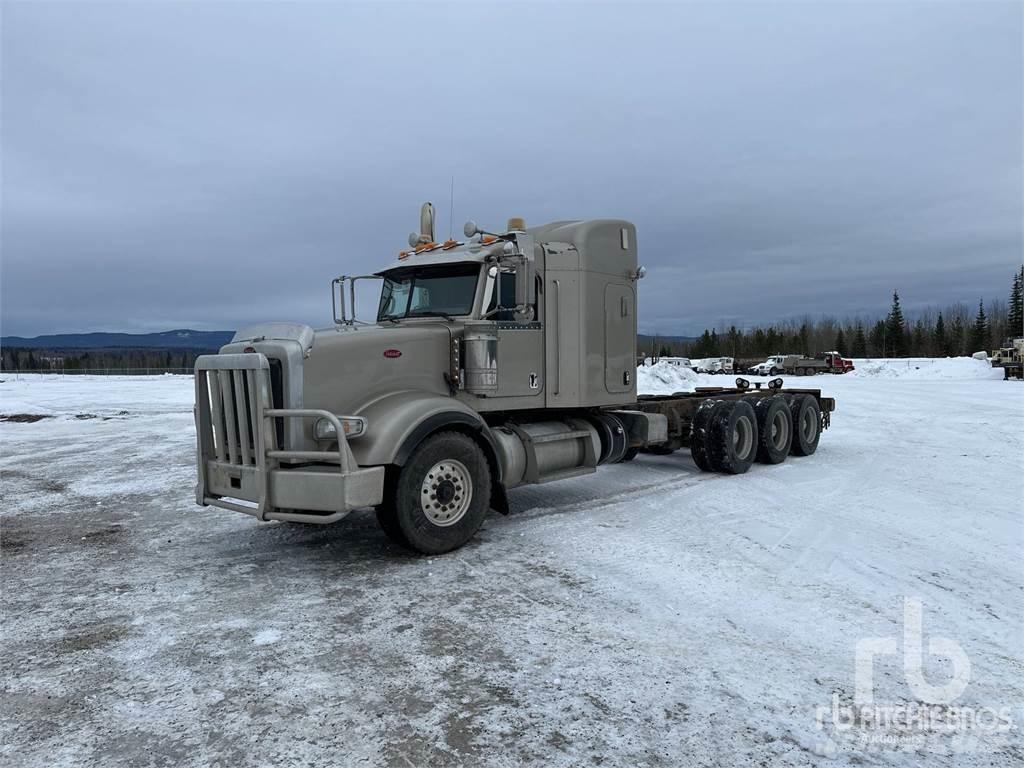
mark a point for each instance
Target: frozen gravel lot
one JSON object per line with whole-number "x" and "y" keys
{"x": 648, "y": 614}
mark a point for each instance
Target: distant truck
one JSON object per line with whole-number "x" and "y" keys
{"x": 825, "y": 362}
{"x": 773, "y": 366}
{"x": 715, "y": 365}
{"x": 1010, "y": 357}
{"x": 679, "y": 362}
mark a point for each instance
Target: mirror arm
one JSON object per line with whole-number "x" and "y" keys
{"x": 340, "y": 282}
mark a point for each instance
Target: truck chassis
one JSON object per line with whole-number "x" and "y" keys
{"x": 238, "y": 455}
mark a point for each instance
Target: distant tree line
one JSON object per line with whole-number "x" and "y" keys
{"x": 35, "y": 359}
{"x": 954, "y": 330}
{"x": 958, "y": 329}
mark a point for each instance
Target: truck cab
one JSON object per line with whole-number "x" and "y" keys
{"x": 835, "y": 362}
{"x": 503, "y": 355}
{"x": 773, "y": 366}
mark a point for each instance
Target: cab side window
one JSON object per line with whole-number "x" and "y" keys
{"x": 506, "y": 289}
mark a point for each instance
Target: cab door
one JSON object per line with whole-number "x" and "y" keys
{"x": 520, "y": 345}
{"x": 619, "y": 338}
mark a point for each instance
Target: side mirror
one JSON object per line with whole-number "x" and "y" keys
{"x": 526, "y": 286}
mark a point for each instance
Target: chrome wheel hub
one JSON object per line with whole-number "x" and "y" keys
{"x": 446, "y": 492}
{"x": 780, "y": 430}
{"x": 808, "y": 426}
{"x": 743, "y": 437}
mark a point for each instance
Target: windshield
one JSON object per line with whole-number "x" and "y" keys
{"x": 439, "y": 291}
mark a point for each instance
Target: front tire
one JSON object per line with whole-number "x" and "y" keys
{"x": 441, "y": 496}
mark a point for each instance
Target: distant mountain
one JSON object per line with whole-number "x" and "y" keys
{"x": 185, "y": 339}
{"x": 180, "y": 339}
{"x": 645, "y": 338}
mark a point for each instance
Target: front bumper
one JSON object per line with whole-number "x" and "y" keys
{"x": 239, "y": 465}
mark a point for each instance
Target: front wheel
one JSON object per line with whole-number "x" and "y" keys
{"x": 441, "y": 496}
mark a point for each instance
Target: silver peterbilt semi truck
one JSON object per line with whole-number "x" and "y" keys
{"x": 502, "y": 359}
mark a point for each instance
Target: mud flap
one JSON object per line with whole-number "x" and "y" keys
{"x": 499, "y": 498}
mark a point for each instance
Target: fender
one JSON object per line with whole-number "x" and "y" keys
{"x": 398, "y": 422}
{"x": 438, "y": 422}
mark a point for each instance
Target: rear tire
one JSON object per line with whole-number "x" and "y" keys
{"x": 805, "y": 419}
{"x": 699, "y": 431}
{"x": 774, "y": 430}
{"x": 441, "y": 495}
{"x": 732, "y": 438}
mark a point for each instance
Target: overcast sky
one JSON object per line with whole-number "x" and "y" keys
{"x": 205, "y": 165}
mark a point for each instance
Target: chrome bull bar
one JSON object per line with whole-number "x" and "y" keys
{"x": 238, "y": 459}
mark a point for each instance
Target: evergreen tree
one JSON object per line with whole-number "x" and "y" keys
{"x": 760, "y": 343}
{"x": 702, "y": 347}
{"x": 918, "y": 341}
{"x": 860, "y": 343}
{"x": 879, "y": 347}
{"x": 840, "y": 343}
{"x": 895, "y": 330}
{"x": 1015, "y": 315}
{"x": 941, "y": 342}
{"x": 956, "y": 336}
{"x": 979, "y": 331}
{"x": 733, "y": 343}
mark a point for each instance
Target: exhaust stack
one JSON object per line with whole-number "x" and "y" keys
{"x": 426, "y": 233}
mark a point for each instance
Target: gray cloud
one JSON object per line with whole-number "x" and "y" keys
{"x": 207, "y": 165}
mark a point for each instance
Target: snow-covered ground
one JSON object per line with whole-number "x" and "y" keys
{"x": 646, "y": 615}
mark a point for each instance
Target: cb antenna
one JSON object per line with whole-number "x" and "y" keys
{"x": 451, "y": 207}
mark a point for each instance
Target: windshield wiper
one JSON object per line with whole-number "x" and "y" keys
{"x": 431, "y": 313}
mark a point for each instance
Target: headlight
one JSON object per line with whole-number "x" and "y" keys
{"x": 352, "y": 425}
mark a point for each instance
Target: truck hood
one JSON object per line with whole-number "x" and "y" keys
{"x": 349, "y": 368}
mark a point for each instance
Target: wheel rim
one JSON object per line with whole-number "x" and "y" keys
{"x": 780, "y": 430}
{"x": 742, "y": 437}
{"x": 808, "y": 426}
{"x": 446, "y": 492}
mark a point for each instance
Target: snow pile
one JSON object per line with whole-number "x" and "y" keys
{"x": 925, "y": 368}
{"x": 664, "y": 379}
